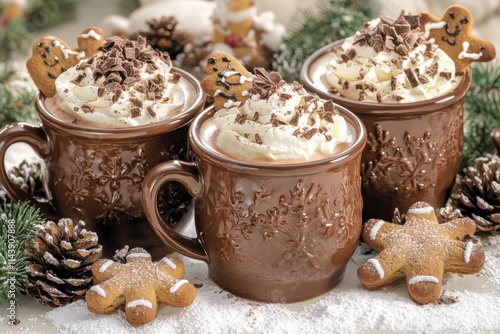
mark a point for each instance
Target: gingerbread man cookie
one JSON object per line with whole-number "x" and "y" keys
{"x": 139, "y": 284}
{"x": 422, "y": 250}
{"x": 453, "y": 33}
{"x": 51, "y": 56}
{"x": 227, "y": 80}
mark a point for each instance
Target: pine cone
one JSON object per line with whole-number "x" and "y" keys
{"x": 163, "y": 36}
{"x": 28, "y": 176}
{"x": 60, "y": 258}
{"x": 477, "y": 193}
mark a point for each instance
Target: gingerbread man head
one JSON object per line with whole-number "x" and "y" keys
{"x": 51, "y": 56}
{"x": 453, "y": 33}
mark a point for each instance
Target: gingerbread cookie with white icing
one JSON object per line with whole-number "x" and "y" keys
{"x": 51, "y": 56}
{"x": 453, "y": 33}
{"x": 227, "y": 80}
{"x": 139, "y": 284}
{"x": 422, "y": 250}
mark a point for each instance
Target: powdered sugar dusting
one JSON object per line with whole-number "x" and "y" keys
{"x": 348, "y": 308}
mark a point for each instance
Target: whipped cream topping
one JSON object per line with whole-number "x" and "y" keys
{"x": 126, "y": 83}
{"x": 390, "y": 61}
{"x": 280, "y": 121}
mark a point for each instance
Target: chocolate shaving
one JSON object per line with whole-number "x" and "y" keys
{"x": 258, "y": 139}
{"x": 400, "y": 35}
{"x": 151, "y": 111}
{"x": 135, "y": 112}
{"x": 241, "y": 118}
{"x": 310, "y": 133}
{"x": 120, "y": 68}
{"x": 446, "y": 75}
{"x": 412, "y": 79}
{"x": 266, "y": 84}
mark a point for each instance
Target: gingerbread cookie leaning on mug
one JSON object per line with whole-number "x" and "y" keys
{"x": 453, "y": 33}
{"x": 51, "y": 56}
{"x": 227, "y": 80}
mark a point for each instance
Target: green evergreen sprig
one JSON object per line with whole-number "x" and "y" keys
{"x": 482, "y": 112}
{"x": 330, "y": 21}
{"x": 16, "y": 106}
{"x": 18, "y": 224}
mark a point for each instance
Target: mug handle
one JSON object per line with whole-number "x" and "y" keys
{"x": 185, "y": 173}
{"x": 35, "y": 137}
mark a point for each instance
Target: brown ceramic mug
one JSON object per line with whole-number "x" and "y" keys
{"x": 95, "y": 174}
{"x": 414, "y": 149}
{"x": 269, "y": 232}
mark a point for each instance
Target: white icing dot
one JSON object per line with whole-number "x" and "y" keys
{"x": 217, "y": 92}
{"x": 421, "y": 211}
{"x": 140, "y": 302}
{"x": 423, "y": 278}
{"x": 169, "y": 263}
{"x": 100, "y": 291}
{"x": 244, "y": 93}
{"x": 105, "y": 266}
{"x": 375, "y": 228}
{"x": 377, "y": 267}
{"x": 177, "y": 285}
{"x": 469, "y": 246}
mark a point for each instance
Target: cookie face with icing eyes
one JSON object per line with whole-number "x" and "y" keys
{"x": 227, "y": 80}
{"x": 453, "y": 33}
{"x": 458, "y": 22}
{"x": 51, "y": 56}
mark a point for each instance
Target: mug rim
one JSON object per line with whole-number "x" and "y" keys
{"x": 204, "y": 152}
{"x": 382, "y": 109}
{"x": 131, "y": 132}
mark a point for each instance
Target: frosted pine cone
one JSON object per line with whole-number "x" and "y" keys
{"x": 60, "y": 258}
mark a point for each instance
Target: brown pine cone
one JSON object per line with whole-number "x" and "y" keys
{"x": 164, "y": 36}
{"x": 477, "y": 193}
{"x": 60, "y": 258}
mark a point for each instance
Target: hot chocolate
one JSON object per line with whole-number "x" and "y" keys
{"x": 278, "y": 123}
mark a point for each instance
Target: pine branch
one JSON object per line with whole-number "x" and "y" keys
{"x": 19, "y": 222}
{"x": 331, "y": 21}
{"x": 16, "y": 106}
{"x": 482, "y": 112}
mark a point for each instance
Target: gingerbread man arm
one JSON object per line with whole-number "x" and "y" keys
{"x": 140, "y": 305}
{"x": 175, "y": 292}
{"x": 171, "y": 266}
{"x": 463, "y": 256}
{"x": 423, "y": 282}
{"x": 382, "y": 269}
{"x": 104, "y": 269}
{"x": 106, "y": 296}
{"x": 374, "y": 231}
{"x": 459, "y": 227}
